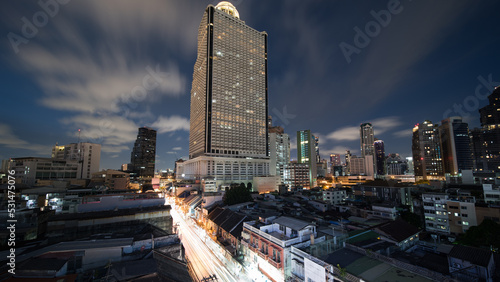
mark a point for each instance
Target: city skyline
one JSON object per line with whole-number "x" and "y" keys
{"x": 108, "y": 69}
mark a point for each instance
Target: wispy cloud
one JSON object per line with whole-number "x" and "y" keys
{"x": 170, "y": 124}
{"x": 403, "y": 133}
{"x": 177, "y": 148}
{"x": 10, "y": 140}
{"x": 350, "y": 133}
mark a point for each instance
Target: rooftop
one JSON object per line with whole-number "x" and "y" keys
{"x": 293, "y": 223}
{"x": 476, "y": 256}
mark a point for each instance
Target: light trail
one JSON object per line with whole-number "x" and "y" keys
{"x": 204, "y": 262}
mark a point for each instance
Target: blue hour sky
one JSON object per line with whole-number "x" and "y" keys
{"x": 109, "y": 67}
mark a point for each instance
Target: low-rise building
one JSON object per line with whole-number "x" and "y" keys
{"x": 334, "y": 196}
{"x": 268, "y": 245}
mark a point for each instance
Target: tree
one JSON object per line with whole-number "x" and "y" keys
{"x": 237, "y": 194}
{"x": 411, "y": 218}
{"x": 485, "y": 234}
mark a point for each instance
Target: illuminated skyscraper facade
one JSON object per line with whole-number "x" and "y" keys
{"x": 427, "y": 155}
{"x": 367, "y": 138}
{"x": 229, "y": 89}
{"x": 228, "y": 137}
{"x": 306, "y": 153}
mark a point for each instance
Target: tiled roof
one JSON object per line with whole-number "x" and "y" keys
{"x": 225, "y": 214}
{"x": 398, "y": 230}
{"x": 473, "y": 255}
{"x": 215, "y": 213}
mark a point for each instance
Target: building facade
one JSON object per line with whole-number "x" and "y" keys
{"x": 486, "y": 140}
{"x": 279, "y": 152}
{"x": 306, "y": 153}
{"x": 367, "y": 138}
{"x": 380, "y": 157}
{"x": 31, "y": 169}
{"x": 88, "y": 154}
{"x": 456, "y": 147}
{"x": 229, "y": 102}
{"x": 297, "y": 175}
{"x": 142, "y": 160}
{"x": 426, "y": 149}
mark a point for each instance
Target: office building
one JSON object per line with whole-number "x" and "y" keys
{"x": 335, "y": 160}
{"x": 486, "y": 140}
{"x": 29, "y": 170}
{"x": 142, "y": 160}
{"x": 379, "y": 157}
{"x": 88, "y": 154}
{"x": 228, "y": 119}
{"x": 367, "y": 138}
{"x": 306, "y": 153}
{"x": 396, "y": 165}
{"x": 426, "y": 149}
{"x": 279, "y": 151}
{"x": 455, "y": 144}
{"x": 316, "y": 148}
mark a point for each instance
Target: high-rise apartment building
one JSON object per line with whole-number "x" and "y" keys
{"x": 142, "y": 159}
{"x": 306, "y": 153}
{"x": 88, "y": 154}
{"x": 486, "y": 140}
{"x": 456, "y": 147}
{"x": 380, "y": 157}
{"x": 228, "y": 120}
{"x": 426, "y": 149}
{"x": 367, "y": 138}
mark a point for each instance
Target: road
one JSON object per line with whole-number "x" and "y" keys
{"x": 204, "y": 262}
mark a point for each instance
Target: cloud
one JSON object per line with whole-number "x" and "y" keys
{"x": 10, "y": 140}
{"x": 350, "y": 133}
{"x": 384, "y": 124}
{"x": 337, "y": 150}
{"x": 96, "y": 60}
{"x": 177, "y": 148}
{"x": 170, "y": 124}
{"x": 113, "y": 132}
{"x": 403, "y": 133}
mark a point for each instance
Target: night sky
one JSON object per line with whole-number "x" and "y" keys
{"x": 332, "y": 66}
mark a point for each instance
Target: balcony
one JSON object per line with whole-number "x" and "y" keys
{"x": 262, "y": 255}
{"x": 275, "y": 264}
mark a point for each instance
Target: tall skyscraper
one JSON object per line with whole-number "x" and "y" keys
{"x": 142, "y": 159}
{"x": 279, "y": 151}
{"x": 228, "y": 119}
{"x": 486, "y": 140}
{"x": 426, "y": 149}
{"x": 88, "y": 154}
{"x": 306, "y": 153}
{"x": 379, "y": 157}
{"x": 316, "y": 148}
{"x": 456, "y": 147}
{"x": 367, "y": 138}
